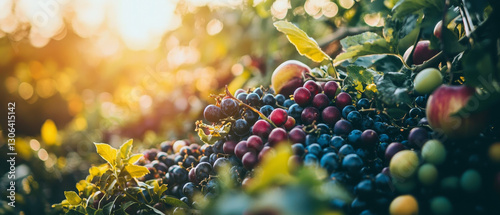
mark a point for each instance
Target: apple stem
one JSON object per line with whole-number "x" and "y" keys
{"x": 250, "y": 107}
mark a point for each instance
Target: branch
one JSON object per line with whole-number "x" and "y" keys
{"x": 433, "y": 61}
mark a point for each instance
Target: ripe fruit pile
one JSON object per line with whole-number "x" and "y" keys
{"x": 361, "y": 148}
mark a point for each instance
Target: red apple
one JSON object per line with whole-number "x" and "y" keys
{"x": 447, "y": 100}
{"x": 288, "y": 76}
{"x": 437, "y": 29}
{"x": 422, "y": 52}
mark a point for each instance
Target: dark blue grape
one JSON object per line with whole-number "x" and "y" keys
{"x": 421, "y": 101}
{"x": 212, "y": 158}
{"x": 347, "y": 109}
{"x": 383, "y": 182}
{"x": 411, "y": 122}
{"x": 365, "y": 189}
{"x": 330, "y": 162}
{"x": 295, "y": 111}
{"x": 352, "y": 163}
{"x": 380, "y": 127}
{"x": 381, "y": 149}
{"x": 250, "y": 116}
{"x": 288, "y": 103}
{"x": 189, "y": 161}
{"x": 328, "y": 150}
{"x": 362, "y": 153}
{"x": 203, "y": 170}
{"x": 337, "y": 142}
{"x": 324, "y": 140}
{"x": 363, "y": 103}
{"x": 358, "y": 205}
{"x": 204, "y": 159}
{"x": 314, "y": 149}
{"x": 354, "y": 117}
{"x": 367, "y": 123}
{"x": 269, "y": 99}
{"x": 346, "y": 150}
{"x": 384, "y": 138}
{"x": 253, "y": 99}
{"x": 416, "y": 113}
{"x": 266, "y": 110}
{"x": 178, "y": 158}
{"x": 258, "y": 91}
{"x": 323, "y": 128}
{"x": 298, "y": 149}
{"x": 242, "y": 97}
{"x": 310, "y": 160}
{"x": 280, "y": 99}
{"x": 355, "y": 137}
{"x": 189, "y": 190}
{"x": 310, "y": 139}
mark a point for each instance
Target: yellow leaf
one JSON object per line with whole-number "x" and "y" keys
{"x": 72, "y": 197}
{"x": 372, "y": 87}
{"x": 49, "y": 132}
{"x": 81, "y": 185}
{"x": 274, "y": 169}
{"x": 126, "y": 148}
{"x": 304, "y": 44}
{"x": 107, "y": 152}
{"x": 134, "y": 158}
{"x": 136, "y": 171}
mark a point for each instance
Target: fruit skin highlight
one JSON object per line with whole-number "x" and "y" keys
{"x": 288, "y": 76}
{"x": 447, "y": 100}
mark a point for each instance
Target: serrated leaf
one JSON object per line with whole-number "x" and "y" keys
{"x": 305, "y": 45}
{"x": 364, "y": 44}
{"x": 405, "y": 7}
{"x": 126, "y": 148}
{"x": 134, "y": 158}
{"x": 136, "y": 171}
{"x": 72, "y": 197}
{"x": 107, "y": 152}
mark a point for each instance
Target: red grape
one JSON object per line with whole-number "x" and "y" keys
{"x": 261, "y": 128}
{"x": 255, "y": 142}
{"x": 240, "y": 149}
{"x": 313, "y": 87}
{"x": 320, "y": 101}
{"x": 278, "y": 116}
{"x": 302, "y": 96}
{"x": 290, "y": 123}
{"x": 297, "y": 135}
{"x": 330, "y": 115}
{"x": 330, "y": 89}
{"x": 342, "y": 100}
{"x": 249, "y": 160}
{"x": 277, "y": 135}
{"x": 309, "y": 115}
{"x": 229, "y": 146}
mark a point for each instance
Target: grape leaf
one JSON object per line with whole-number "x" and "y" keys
{"x": 134, "y": 158}
{"x": 405, "y": 7}
{"x": 173, "y": 202}
{"x": 126, "y": 148}
{"x": 136, "y": 171}
{"x": 304, "y": 44}
{"x": 72, "y": 197}
{"x": 107, "y": 152}
{"x": 391, "y": 88}
{"x": 364, "y": 44}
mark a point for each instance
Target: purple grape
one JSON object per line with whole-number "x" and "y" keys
{"x": 392, "y": 149}
{"x": 309, "y": 115}
{"x": 249, "y": 160}
{"x": 342, "y": 128}
{"x": 297, "y": 135}
{"x": 255, "y": 142}
{"x": 313, "y": 87}
{"x": 240, "y": 149}
{"x": 418, "y": 137}
{"x": 320, "y": 101}
{"x": 261, "y": 128}
{"x": 331, "y": 88}
{"x": 302, "y": 96}
{"x": 212, "y": 113}
{"x": 229, "y": 146}
{"x": 369, "y": 138}
{"x": 277, "y": 135}
{"x": 330, "y": 115}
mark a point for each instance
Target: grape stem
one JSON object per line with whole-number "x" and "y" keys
{"x": 250, "y": 107}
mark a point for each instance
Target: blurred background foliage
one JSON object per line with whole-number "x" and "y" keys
{"x": 87, "y": 71}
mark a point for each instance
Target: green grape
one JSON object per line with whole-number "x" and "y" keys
{"x": 470, "y": 181}
{"x": 427, "y": 174}
{"x": 434, "y": 152}
{"x": 427, "y": 80}
{"x": 441, "y": 206}
{"x": 403, "y": 165}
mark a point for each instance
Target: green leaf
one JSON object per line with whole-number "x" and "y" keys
{"x": 126, "y": 149}
{"x": 136, "y": 171}
{"x": 107, "y": 152}
{"x": 72, "y": 197}
{"x": 361, "y": 74}
{"x": 104, "y": 179}
{"x": 392, "y": 90}
{"x": 174, "y": 202}
{"x": 154, "y": 209}
{"x": 274, "y": 169}
{"x": 304, "y": 44}
{"x": 364, "y": 44}
{"x": 405, "y": 7}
